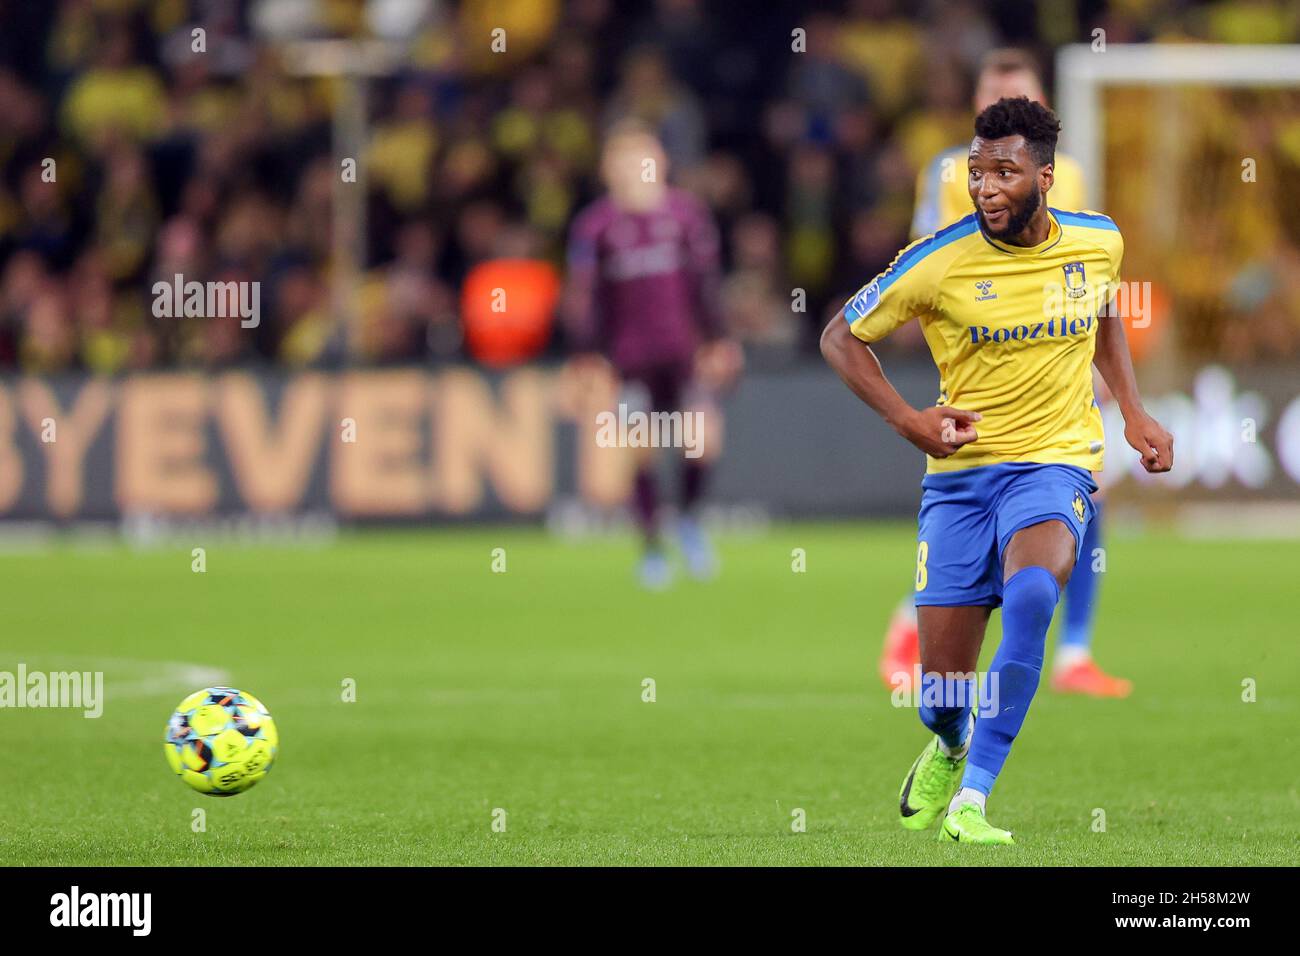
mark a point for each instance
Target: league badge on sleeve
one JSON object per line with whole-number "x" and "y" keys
{"x": 862, "y": 303}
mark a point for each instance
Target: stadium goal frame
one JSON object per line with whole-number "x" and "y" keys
{"x": 1083, "y": 73}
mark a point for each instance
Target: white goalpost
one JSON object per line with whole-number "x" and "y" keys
{"x": 1083, "y": 73}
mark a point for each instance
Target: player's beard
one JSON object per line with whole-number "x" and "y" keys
{"x": 1017, "y": 221}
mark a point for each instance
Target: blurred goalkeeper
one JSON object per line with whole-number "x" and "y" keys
{"x": 641, "y": 303}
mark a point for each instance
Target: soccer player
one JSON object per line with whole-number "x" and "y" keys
{"x": 1013, "y": 302}
{"x": 642, "y": 300}
{"x": 942, "y": 199}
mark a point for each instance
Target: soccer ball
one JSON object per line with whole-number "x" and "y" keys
{"x": 221, "y": 741}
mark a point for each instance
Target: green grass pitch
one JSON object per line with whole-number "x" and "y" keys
{"x": 523, "y": 691}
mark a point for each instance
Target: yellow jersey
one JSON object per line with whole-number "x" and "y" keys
{"x": 1012, "y": 331}
{"x": 942, "y": 196}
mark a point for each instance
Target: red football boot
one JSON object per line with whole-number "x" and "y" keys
{"x": 1085, "y": 677}
{"x": 901, "y": 654}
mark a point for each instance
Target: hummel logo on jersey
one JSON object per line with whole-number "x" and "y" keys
{"x": 984, "y": 285}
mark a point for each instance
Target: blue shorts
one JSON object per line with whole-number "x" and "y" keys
{"x": 968, "y": 516}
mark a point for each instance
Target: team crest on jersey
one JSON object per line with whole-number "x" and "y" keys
{"x": 1078, "y": 507}
{"x": 984, "y": 287}
{"x": 1076, "y": 285}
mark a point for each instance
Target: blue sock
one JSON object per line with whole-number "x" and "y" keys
{"x": 946, "y": 706}
{"x": 1081, "y": 592}
{"x": 1028, "y": 600}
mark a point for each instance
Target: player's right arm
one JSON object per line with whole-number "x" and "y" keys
{"x": 938, "y": 430}
{"x": 907, "y": 288}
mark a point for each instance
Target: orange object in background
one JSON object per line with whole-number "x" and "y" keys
{"x": 1145, "y": 332}
{"x": 508, "y": 309}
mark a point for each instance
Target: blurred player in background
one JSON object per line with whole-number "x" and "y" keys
{"x": 642, "y": 303}
{"x": 941, "y": 199}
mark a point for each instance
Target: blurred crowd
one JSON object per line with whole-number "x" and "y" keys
{"x": 133, "y": 148}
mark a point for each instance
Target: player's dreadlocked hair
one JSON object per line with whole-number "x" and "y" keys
{"x": 1034, "y": 121}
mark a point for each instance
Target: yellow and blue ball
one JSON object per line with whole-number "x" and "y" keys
{"x": 221, "y": 741}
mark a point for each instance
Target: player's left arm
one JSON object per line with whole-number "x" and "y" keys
{"x": 1113, "y": 360}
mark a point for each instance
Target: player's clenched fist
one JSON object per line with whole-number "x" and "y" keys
{"x": 940, "y": 430}
{"x": 1151, "y": 440}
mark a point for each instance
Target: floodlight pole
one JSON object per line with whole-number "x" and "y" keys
{"x": 353, "y": 64}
